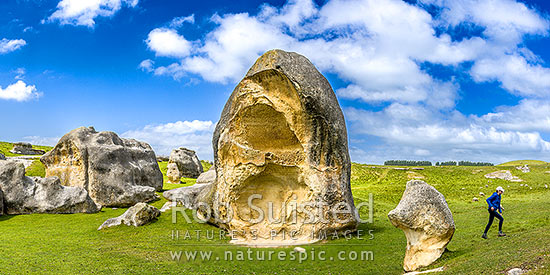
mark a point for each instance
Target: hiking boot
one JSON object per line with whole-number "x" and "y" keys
{"x": 484, "y": 236}
{"x": 501, "y": 234}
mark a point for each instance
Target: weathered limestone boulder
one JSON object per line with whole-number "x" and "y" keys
{"x": 426, "y": 220}
{"x": 282, "y": 141}
{"x": 208, "y": 176}
{"x": 137, "y": 215}
{"x": 23, "y": 148}
{"x": 173, "y": 173}
{"x": 504, "y": 175}
{"x": 27, "y": 195}
{"x": 1, "y": 202}
{"x": 188, "y": 196}
{"x": 116, "y": 172}
{"x": 187, "y": 161}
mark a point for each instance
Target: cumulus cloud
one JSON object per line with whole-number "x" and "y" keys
{"x": 147, "y": 65}
{"x": 195, "y": 135}
{"x": 167, "y": 42}
{"x": 7, "y": 45}
{"x": 378, "y": 48}
{"x": 19, "y": 91}
{"x": 84, "y": 12}
{"x": 177, "y": 22}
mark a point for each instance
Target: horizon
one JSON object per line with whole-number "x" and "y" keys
{"x": 416, "y": 80}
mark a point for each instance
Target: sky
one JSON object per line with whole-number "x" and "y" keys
{"x": 430, "y": 80}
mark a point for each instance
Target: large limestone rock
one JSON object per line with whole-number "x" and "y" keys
{"x": 23, "y": 148}
{"x": 282, "y": 136}
{"x": 504, "y": 175}
{"x": 208, "y": 176}
{"x": 187, "y": 161}
{"x": 173, "y": 173}
{"x": 27, "y": 195}
{"x": 426, "y": 220}
{"x": 116, "y": 172}
{"x": 137, "y": 215}
{"x": 188, "y": 196}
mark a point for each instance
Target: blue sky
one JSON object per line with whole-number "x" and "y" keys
{"x": 430, "y": 79}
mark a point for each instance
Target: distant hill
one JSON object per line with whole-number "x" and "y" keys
{"x": 523, "y": 162}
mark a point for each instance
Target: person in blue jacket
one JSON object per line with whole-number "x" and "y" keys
{"x": 494, "y": 205}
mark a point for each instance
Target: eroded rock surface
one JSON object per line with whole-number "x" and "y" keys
{"x": 23, "y": 148}
{"x": 27, "y": 195}
{"x": 173, "y": 173}
{"x": 188, "y": 163}
{"x": 137, "y": 215}
{"x": 426, "y": 220}
{"x": 282, "y": 136}
{"x": 504, "y": 175}
{"x": 116, "y": 172}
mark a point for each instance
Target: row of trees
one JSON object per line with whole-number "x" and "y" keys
{"x": 408, "y": 162}
{"x": 429, "y": 163}
{"x": 463, "y": 163}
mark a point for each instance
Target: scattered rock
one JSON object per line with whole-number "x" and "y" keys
{"x": 515, "y": 271}
{"x": 167, "y": 206}
{"x": 426, "y": 220}
{"x": 400, "y": 168}
{"x": 524, "y": 168}
{"x": 546, "y": 186}
{"x": 486, "y": 185}
{"x": 503, "y": 174}
{"x": 23, "y": 148}
{"x": 462, "y": 188}
{"x": 481, "y": 194}
{"x": 187, "y": 196}
{"x": 137, "y": 215}
{"x": 282, "y": 135}
{"x": 417, "y": 168}
{"x": 300, "y": 249}
{"x": 208, "y": 176}
{"x": 547, "y": 172}
{"x": 521, "y": 185}
{"x": 2, "y": 157}
{"x": 116, "y": 172}
{"x": 187, "y": 161}
{"x": 173, "y": 173}
{"x": 28, "y": 195}
{"x": 475, "y": 199}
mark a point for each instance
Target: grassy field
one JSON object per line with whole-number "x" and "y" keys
{"x": 523, "y": 162}
{"x": 5, "y": 148}
{"x": 71, "y": 243}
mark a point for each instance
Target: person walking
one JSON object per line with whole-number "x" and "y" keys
{"x": 494, "y": 204}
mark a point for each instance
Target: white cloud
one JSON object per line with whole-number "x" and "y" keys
{"x": 195, "y": 135}
{"x": 19, "y": 91}
{"x": 167, "y": 42}
{"x": 7, "y": 45}
{"x": 177, "y": 22}
{"x": 147, "y": 65}
{"x": 84, "y": 12}
{"x": 38, "y": 140}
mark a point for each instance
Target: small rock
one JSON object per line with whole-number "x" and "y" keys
{"x": 173, "y": 173}
{"x": 546, "y": 186}
{"x": 462, "y": 188}
{"x": 137, "y": 215}
{"x": 515, "y": 271}
{"x": 166, "y": 207}
{"x": 503, "y": 174}
{"x": 521, "y": 185}
{"x": 475, "y": 199}
{"x": 486, "y": 185}
{"x": 2, "y": 157}
{"x": 524, "y": 169}
{"x": 300, "y": 249}
{"x": 482, "y": 194}
{"x": 187, "y": 196}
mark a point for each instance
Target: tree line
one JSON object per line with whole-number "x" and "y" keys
{"x": 408, "y": 162}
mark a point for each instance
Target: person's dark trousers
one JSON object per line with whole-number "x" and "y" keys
{"x": 492, "y": 215}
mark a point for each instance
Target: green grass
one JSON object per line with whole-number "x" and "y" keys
{"x": 36, "y": 169}
{"x": 70, "y": 244}
{"x": 523, "y": 162}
